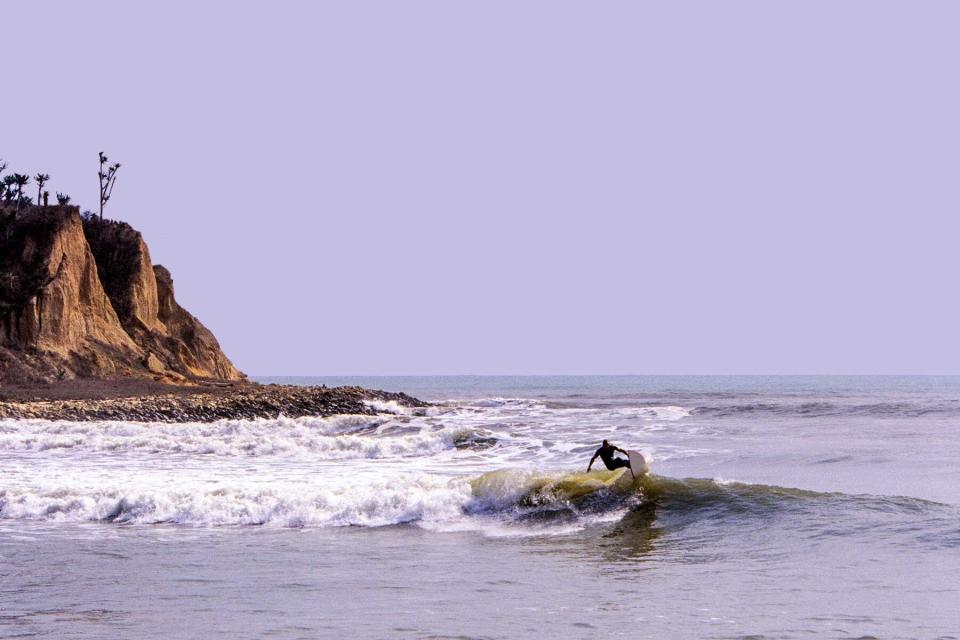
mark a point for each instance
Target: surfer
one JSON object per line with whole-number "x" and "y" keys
{"x": 606, "y": 452}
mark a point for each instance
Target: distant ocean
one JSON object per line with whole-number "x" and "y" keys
{"x": 779, "y": 507}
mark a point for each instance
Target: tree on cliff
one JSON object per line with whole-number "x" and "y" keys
{"x": 4, "y": 181}
{"x": 108, "y": 176}
{"x": 9, "y": 182}
{"x": 41, "y": 179}
{"x": 20, "y": 181}
{"x": 62, "y": 198}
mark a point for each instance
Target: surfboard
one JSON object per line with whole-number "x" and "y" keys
{"x": 638, "y": 464}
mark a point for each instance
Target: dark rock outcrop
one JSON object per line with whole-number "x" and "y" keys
{"x": 81, "y": 298}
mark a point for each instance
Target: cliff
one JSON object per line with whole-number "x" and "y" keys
{"x": 142, "y": 295}
{"x": 82, "y": 299}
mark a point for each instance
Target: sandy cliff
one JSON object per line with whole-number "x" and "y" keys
{"x": 142, "y": 295}
{"x": 81, "y": 298}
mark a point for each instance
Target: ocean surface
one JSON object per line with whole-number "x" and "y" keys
{"x": 778, "y": 507}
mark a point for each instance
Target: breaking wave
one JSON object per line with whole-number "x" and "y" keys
{"x": 377, "y": 502}
{"x": 433, "y": 469}
{"x": 340, "y": 437}
{"x": 507, "y": 500}
{"x": 395, "y": 408}
{"x": 372, "y": 500}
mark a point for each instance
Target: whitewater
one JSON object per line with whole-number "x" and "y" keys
{"x": 776, "y": 507}
{"x": 287, "y": 472}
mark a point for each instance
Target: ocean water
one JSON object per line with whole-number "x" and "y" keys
{"x": 778, "y": 507}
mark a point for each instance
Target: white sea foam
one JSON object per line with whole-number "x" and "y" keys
{"x": 374, "y": 502}
{"x": 372, "y": 498}
{"x": 392, "y": 407}
{"x": 403, "y": 465}
{"x": 323, "y": 438}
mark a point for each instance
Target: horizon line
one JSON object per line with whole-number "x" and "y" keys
{"x": 594, "y": 375}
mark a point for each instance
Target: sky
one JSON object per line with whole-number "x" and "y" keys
{"x": 520, "y": 187}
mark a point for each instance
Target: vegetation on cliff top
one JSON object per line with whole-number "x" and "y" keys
{"x": 12, "y": 185}
{"x": 19, "y": 281}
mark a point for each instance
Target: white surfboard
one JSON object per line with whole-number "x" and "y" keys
{"x": 638, "y": 464}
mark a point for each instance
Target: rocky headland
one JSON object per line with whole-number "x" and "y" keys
{"x": 90, "y": 329}
{"x": 80, "y": 298}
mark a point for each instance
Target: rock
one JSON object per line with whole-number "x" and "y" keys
{"x": 153, "y": 364}
{"x": 193, "y": 346}
{"x": 81, "y": 298}
{"x": 249, "y": 401}
{"x": 59, "y": 311}
{"x": 142, "y": 294}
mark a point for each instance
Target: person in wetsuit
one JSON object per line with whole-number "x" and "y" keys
{"x": 605, "y": 452}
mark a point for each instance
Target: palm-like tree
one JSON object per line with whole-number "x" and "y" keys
{"x": 20, "y": 181}
{"x": 40, "y": 178}
{"x": 108, "y": 176}
{"x": 62, "y": 198}
{"x": 9, "y": 182}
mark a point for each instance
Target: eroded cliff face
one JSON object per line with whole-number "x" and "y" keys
{"x": 126, "y": 271}
{"x": 82, "y": 299}
{"x": 194, "y": 346}
{"x": 142, "y": 294}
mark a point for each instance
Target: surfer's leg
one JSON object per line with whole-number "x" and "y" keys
{"x": 619, "y": 463}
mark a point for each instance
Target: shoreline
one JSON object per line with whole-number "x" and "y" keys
{"x": 162, "y": 403}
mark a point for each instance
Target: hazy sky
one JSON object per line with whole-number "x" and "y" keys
{"x": 520, "y": 187}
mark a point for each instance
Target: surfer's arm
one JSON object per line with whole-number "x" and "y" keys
{"x": 592, "y": 460}
{"x": 621, "y": 451}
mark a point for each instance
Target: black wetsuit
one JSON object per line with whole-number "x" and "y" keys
{"x": 606, "y": 454}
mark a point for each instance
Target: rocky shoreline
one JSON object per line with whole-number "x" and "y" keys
{"x": 207, "y": 405}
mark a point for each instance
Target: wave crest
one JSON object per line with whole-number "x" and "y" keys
{"x": 340, "y": 437}
{"x": 376, "y": 503}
